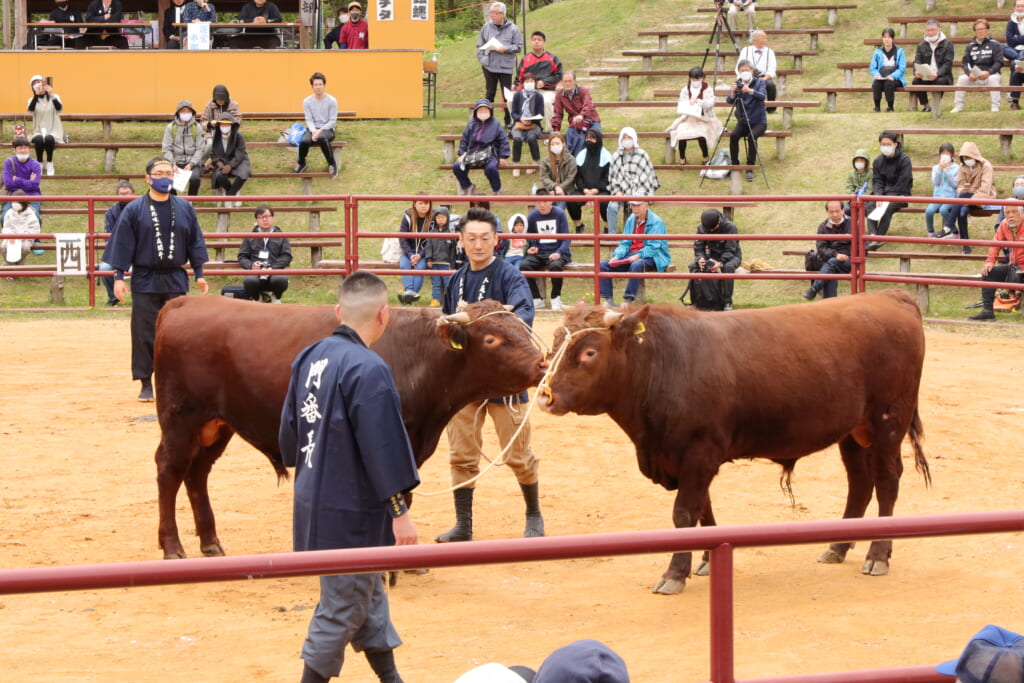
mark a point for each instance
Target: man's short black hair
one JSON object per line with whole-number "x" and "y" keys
{"x": 480, "y": 215}
{"x": 541, "y": 191}
{"x": 541, "y": 34}
{"x": 316, "y": 75}
{"x": 157, "y": 161}
{"x": 261, "y": 209}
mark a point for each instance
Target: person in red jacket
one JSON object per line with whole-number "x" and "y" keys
{"x": 1010, "y": 230}
{"x": 573, "y": 101}
{"x": 355, "y": 35}
{"x": 546, "y": 69}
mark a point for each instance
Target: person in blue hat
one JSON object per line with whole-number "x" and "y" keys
{"x": 993, "y": 655}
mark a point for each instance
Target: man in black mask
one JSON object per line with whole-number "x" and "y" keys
{"x": 62, "y": 13}
{"x": 125, "y": 193}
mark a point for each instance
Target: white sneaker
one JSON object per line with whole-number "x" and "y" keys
{"x": 515, "y": 172}
{"x": 995, "y": 108}
{"x": 274, "y": 299}
{"x": 49, "y": 168}
{"x": 538, "y": 304}
{"x": 556, "y": 303}
{"x": 956, "y": 109}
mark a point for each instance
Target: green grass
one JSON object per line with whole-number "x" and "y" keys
{"x": 401, "y": 157}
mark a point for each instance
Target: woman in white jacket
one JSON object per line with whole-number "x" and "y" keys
{"x": 19, "y": 220}
{"x": 697, "y": 120}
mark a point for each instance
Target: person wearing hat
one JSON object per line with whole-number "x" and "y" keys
{"x": 355, "y": 35}
{"x": 496, "y": 48}
{"x": 47, "y": 131}
{"x": 321, "y": 112}
{"x": 229, "y": 159}
{"x": 993, "y": 655}
{"x": 636, "y": 256}
{"x": 184, "y": 144}
{"x": 21, "y": 172}
{"x": 156, "y": 235}
{"x": 220, "y": 103}
{"x": 259, "y": 12}
{"x": 585, "y": 661}
{"x": 717, "y": 256}
{"x": 482, "y": 133}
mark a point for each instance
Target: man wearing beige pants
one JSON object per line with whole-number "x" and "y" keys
{"x": 486, "y": 277}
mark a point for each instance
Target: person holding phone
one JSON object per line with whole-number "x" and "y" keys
{"x": 45, "y": 107}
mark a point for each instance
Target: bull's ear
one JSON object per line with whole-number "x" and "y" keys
{"x": 452, "y": 335}
{"x": 632, "y": 325}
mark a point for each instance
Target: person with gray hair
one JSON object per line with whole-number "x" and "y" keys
{"x": 496, "y": 48}
{"x": 342, "y": 431}
{"x": 762, "y": 58}
{"x": 936, "y": 53}
{"x": 748, "y": 95}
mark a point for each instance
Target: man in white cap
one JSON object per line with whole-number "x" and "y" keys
{"x": 355, "y": 35}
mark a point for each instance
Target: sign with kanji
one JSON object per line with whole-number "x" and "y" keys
{"x": 385, "y": 10}
{"x": 71, "y": 254}
{"x": 420, "y": 10}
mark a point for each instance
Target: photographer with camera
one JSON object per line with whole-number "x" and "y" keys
{"x": 716, "y": 256}
{"x": 265, "y": 254}
{"x": 747, "y": 95}
{"x": 762, "y": 59}
{"x": 1011, "y": 229}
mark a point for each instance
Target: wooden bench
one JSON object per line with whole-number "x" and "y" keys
{"x": 849, "y": 67}
{"x": 107, "y": 120}
{"x": 624, "y": 76}
{"x": 935, "y": 91}
{"x": 1005, "y": 134}
{"x": 307, "y": 177}
{"x": 777, "y": 10}
{"x": 787, "y": 106}
{"x": 664, "y": 34}
{"x": 111, "y": 148}
{"x": 914, "y": 42}
{"x": 450, "y": 140}
{"x": 649, "y": 55}
{"x": 949, "y": 21}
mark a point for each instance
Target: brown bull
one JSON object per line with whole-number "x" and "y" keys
{"x": 222, "y": 367}
{"x": 696, "y": 390}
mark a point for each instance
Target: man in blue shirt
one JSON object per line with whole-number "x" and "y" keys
{"x": 544, "y": 252}
{"x": 342, "y": 431}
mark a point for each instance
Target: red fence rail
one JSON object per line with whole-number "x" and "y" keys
{"x": 352, "y": 234}
{"x": 722, "y": 541}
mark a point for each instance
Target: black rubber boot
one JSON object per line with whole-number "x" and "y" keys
{"x": 311, "y": 676}
{"x": 383, "y": 664}
{"x": 534, "y": 521}
{"x": 463, "y": 529}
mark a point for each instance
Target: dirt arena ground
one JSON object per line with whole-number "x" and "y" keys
{"x": 78, "y": 486}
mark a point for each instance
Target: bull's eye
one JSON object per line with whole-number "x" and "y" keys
{"x": 492, "y": 340}
{"x": 588, "y": 355}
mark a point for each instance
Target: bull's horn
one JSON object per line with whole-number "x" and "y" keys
{"x": 508, "y": 307}
{"x": 612, "y": 317}
{"x": 461, "y": 317}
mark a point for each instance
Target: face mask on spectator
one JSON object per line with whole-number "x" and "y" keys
{"x": 342, "y": 18}
{"x": 225, "y": 130}
{"x": 887, "y": 150}
{"x": 557, "y": 149}
{"x": 945, "y": 158}
{"x": 483, "y": 114}
{"x": 354, "y": 16}
{"x": 592, "y": 146}
{"x": 16, "y": 206}
{"x": 1018, "y": 191}
{"x": 530, "y": 86}
{"x": 970, "y": 163}
{"x": 185, "y": 116}
{"x": 860, "y": 164}
{"x": 22, "y": 157}
{"x": 745, "y": 76}
{"x": 628, "y": 143}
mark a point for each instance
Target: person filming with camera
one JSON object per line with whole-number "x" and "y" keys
{"x": 747, "y": 95}
{"x": 1011, "y": 229}
{"x": 265, "y": 254}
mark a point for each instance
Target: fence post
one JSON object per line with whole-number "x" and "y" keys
{"x": 722, "y": 615}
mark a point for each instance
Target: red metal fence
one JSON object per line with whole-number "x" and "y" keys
{"x": 721, "y": 541}
{"x": 352, "y": 234}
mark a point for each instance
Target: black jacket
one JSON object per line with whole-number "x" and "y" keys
{"x": 829, "y": 248}
{"x": 280, "y": 250}
{"x": 893, "y": 176}
{"x": 726, "y": 252}
{"x": 944, "y": 54}
{"x": 987, "y": 55}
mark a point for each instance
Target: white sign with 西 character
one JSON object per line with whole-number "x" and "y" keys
{"x": 71, "y": 254}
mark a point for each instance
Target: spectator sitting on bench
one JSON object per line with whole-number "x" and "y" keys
{"x": 527, "y": 117}
{"x": 202, "y": 11}
{"x": 762, "y": 60}
{"x": 983, "y": 58}
{"x": 1015, "y": 41}
{"x": 47, "y": 131}
{"x": 976, "y": 178}
{"x": 544, "y": 253}
{"x": 126, "y": 193}
{"x": 834, "y": 254}
{"x": 636, "y": 256}
{"x": 748, "y": 7}
{"x": 944, "y": 180}
{"x": 220, "y": 103}
{"x": 258, "y": 12}
{"x": 515, "y": 247}
{"x": 936, "y": 51}
{"x": 415, "y": 220}
{"x": 888, "y": 64}
{"x": 858, "y": 180}
{"x": 321, "y": 112}
{"x": 717, "y": 256}
{"x": 631, "y": 174}
{"x": 22, "y": 172}
{"x": 441, "y": 254}
{"x": 184, "y": 144}
{"x": 482, "y": 132}
{"x": 593, "y": 166}
{"x": 697, "y": 120}
{"x": 892, "y": 174}
{"x": 229, "y": 158}
{"x": 1011, "y": 229}
{"x": 19, "y": 220}
{"x": 558, "y": 176}
{"x": 574, "y": 102}
{"x": 263, "y": 253}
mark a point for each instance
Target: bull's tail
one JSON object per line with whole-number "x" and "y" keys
{"x": 916, "y": 439}
{"x": 278, "y": 463}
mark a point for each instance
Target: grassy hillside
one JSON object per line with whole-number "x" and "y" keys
{"x": 402, "y": 157}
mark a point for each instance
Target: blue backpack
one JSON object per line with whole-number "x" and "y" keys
{"x": 295, "y": 133}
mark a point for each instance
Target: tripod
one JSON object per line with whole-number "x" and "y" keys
{"x": 751, "y": 140}
{"x": 715, "y": 39}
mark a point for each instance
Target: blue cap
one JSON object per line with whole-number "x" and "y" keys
{"x": 993, "y": 655}
{"x": 585, "y": 661}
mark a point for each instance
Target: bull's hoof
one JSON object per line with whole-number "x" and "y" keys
{"x": 456, "y": 534}
{"x": 534, "y": 527}
{"x": 213, "y": 550}
{"x": 668, "y": 586}
{"x": 175, "y": 556}
{"x": 875, "y": 567}
{"x": 831, "y": 557}
{"x": 704, "y": 569}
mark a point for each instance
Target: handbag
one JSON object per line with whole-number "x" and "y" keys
{"x": 520, "y": 125}
{"x": 20, "y": 128}
{"x": 812, "y": 260}
{"x": 477, "y": 158}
